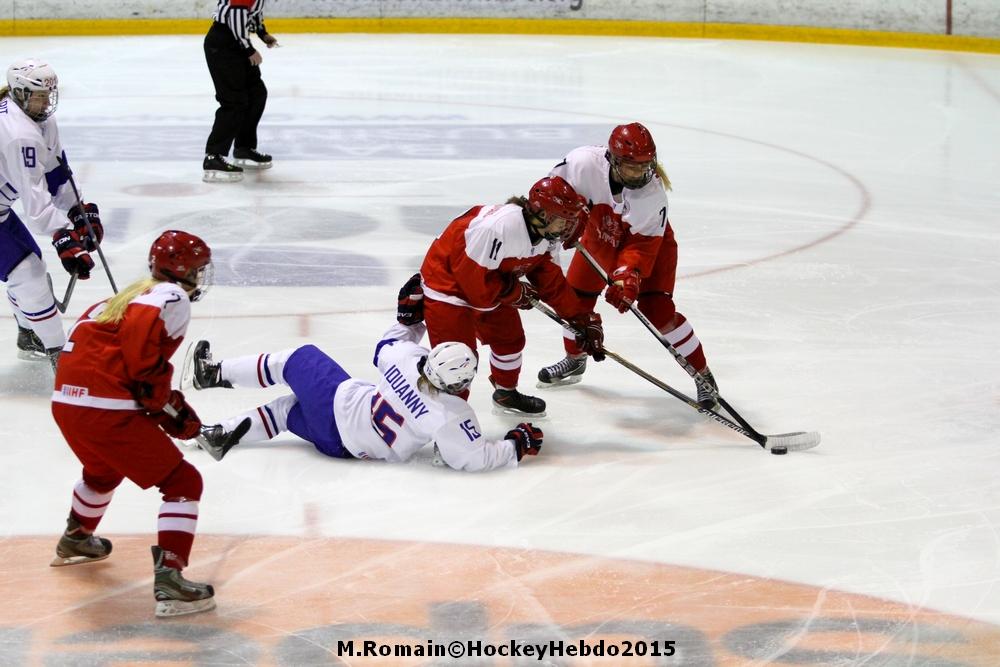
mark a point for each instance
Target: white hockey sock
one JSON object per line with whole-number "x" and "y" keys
{"x": 178, "y": 516}
{"x": 687, "y": 343}
{"x": 266, "y": 421}
{"x": 256, "y": 370}
{"x": 33, "y": 303}
{"x": 90, "y": 505}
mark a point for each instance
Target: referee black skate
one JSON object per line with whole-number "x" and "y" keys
{"x": 234, "y": 65}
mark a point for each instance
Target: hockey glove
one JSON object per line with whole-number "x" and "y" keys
{"x": 519, "y": 294}
{"x": 177, "y": 418}
{"x": 72, "y": 253}
{"x": 80, "y": 218}
{"x": 527, "y": 439}
{"x": 410, "y": 307}
{"x": 589, "y": 334}
{"x": 624, "y": 288}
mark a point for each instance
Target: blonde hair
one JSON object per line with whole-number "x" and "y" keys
{"x": 114, "y": 311}
{"x": 424, "y": 385}
{"x": 661, "y": 172}
{"x": 4, "y": 90}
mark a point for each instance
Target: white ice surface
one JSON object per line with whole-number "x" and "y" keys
{"x": 881, "y": 333}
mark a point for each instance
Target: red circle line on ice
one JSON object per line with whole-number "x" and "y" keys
{"x": 298, "y": 601}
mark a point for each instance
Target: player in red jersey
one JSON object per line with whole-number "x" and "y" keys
{"x": 114, "y": 405}
{"x": 472, "y": 283}
{"x": 628, "y": 232}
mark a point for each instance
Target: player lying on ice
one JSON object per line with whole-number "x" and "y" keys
{"x": 415, "y": 401}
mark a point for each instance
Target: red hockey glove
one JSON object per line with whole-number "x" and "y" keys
{"x": 519, "y": 294}
{"x": 527, "y": 439}
{"x": 624, "y": 288}
{"x": 72, "y": 253}
{"x": 410, "y": 306}
{"x": 177, "y": 418}
{"x": 80, "y": 218}
{"x": 590, "y": 334}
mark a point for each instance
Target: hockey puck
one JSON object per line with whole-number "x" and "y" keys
{"x": 779, "y": 450}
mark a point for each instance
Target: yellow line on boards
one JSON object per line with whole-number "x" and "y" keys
{"x": 106, "y": 27}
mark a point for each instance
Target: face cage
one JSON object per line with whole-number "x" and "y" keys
{"x": 204, "y": 278}
{"x": 546, "y": 219}
{"x": 457, "y": 387}
{"x": 634, "y": 184}
{"x": 22, "y": 96}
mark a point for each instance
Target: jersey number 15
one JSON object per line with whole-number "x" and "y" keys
{"x": 382, "y": 413}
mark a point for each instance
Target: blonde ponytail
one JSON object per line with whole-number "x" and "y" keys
{"x": 661, "y": 172}
{"x": 114, "y": 311}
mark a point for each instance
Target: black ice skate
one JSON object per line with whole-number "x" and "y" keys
{"x": 75, "y": 547}
{"x": 513, "y": 402}
{"x": 207, "y": 374}
{"x": 705, "y": 398}
{"x": 175, "y": 595}
{"x": 217, "y": 441}
{"x": 29, "y": 345}
{"x": 567, "y": 371}
{"x": 251, "y": 158}
{"x": 218, "y": 170}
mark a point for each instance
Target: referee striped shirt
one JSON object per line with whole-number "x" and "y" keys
{"x": 241, "y": 17}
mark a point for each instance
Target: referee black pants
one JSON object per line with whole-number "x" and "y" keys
{"x": 239, "y": 90}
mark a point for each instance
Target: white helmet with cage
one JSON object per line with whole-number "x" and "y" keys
{"x": 34, "y": 87}
{"x": 451, "y": 366}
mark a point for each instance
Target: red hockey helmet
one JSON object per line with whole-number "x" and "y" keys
{"x": 552, "y": 200}
{"x": 180, "y": 257}
{"x": 632, "y": 153}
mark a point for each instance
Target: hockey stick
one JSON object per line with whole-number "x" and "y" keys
{"x": 699, "y": 379}
{"x": 64, "y": 304}
{"x": 796, "y": 441}
{"x": 86, "y": 221}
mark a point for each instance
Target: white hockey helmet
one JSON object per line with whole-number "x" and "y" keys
{"x": 451, "y": 366}
{"x": 34, "y": 87}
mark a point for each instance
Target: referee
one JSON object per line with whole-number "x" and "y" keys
{"x": 235, "y": 68}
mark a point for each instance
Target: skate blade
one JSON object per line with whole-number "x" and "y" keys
{"x": 171, "y": 608}
{"x": 572, "y": 379}
{"x": 187, "y": 370}
{"x": 250, "y": 164}
{"x": 501, "y": 411}
{"x": 28, "y": 355}
{"x": 59, "y": 561}
{"x": 215, "y": 176}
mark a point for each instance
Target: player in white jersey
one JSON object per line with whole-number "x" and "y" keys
{"x": 30, "y": 170}
{"x": 413, "y": 403}
{"x": 627, "y": 231}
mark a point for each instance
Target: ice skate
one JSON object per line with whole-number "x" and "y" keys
{"x": 206, "y": 374}
{"x": 175, "y": 595}
{"x": 52, "y": 354}
{"x": 513, "y": 402}
{"x": 75, "y": 547}
{"x": 217, "y": 441}
{"x": 567, "y": 371}
{"x": 29, "y": 345}
{"x": 251, "y": 158}
{"x": 218, "y": 170}
{"x": 705, "y": 398}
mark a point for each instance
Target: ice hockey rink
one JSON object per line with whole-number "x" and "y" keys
{"x": 837, "y": 212}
